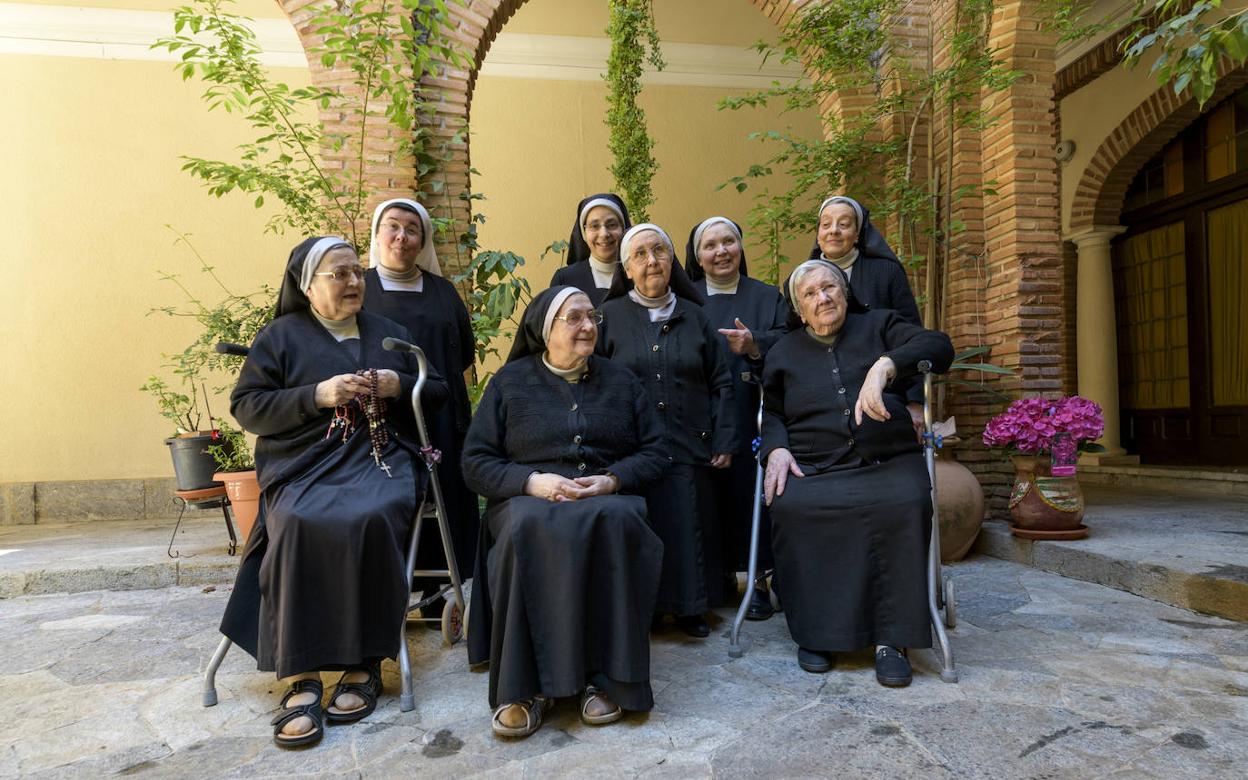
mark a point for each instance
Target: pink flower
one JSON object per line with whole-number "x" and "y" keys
{"x": 1030, "y": 424}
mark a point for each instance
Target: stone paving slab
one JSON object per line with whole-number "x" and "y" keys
{"x": 114, "y": 555}
{"x": 1059, "y": 679}
{"x": 1185, "y": 549}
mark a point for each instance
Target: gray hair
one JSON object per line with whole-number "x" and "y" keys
{"x": 804, "y": 270}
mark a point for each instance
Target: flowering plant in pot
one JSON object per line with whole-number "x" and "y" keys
{"x": 236, "y": 467}
{"x": 1043, "y": 437}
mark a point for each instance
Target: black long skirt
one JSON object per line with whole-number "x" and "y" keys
{"x": 682, "y": 512}
{"x": 851, "y": 555}
{"x": 322, "y": 583}
{"x": 570, "y": 589}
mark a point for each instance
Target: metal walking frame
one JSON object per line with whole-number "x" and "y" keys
{"x": 454, "y": 614}
{"x": 942, "y": 608}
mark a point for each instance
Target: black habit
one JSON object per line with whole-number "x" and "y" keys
{"x": 685, "y": 373}
{"x": 322, "y": 582}
{"x": 438, "y": 321}
{"x": 577, "y": 273}
{"x": 850, "y": 537}
{"x": 763, "y": 310}
{"x": 564, "y": 591}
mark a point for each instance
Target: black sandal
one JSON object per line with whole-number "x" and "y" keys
{"x": 368, "y": 690}
{"x": 311, "y": 710}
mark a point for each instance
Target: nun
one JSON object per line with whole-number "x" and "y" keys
{"x": 750, "y": 316}
{"x": 562, "y": 445}
{"x": 594, "y": 246}
{"x": 845, "y": 478}
{"x": 322, "y": 585}
{"x": 404, "y": 283}
{"x": 653, "y": 323}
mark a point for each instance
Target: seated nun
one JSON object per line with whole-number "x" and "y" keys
{"x": 594, "y": 246}
{"x": 322, "y": 585}
{"x": 653, "y": 324}
{"x": 845, "y": 479}
{"x": 562, "y": 444}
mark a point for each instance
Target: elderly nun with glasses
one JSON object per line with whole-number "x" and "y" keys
{"x": 845, "y": 478}
{"x": 322, "y": 585}
{"x": 562, "y": 445}
{"x": 654, "y": 324}
{"x": 594, "y": 245}
{"x": 405, "y": 283}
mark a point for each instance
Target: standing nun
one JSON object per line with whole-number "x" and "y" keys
{"x": 750, "y": 315}
{"x": 404, "y": 283}
{"x": 594, "y": 246}
{"x": 322, "y": 584}
{"x": 563, "y": 445}
{"x": 658, "y": 330}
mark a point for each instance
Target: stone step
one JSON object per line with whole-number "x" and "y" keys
{"x": 1184, "y": 548}
{"x": 1219, "y": 481}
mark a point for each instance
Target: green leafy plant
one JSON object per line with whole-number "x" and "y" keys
{"x": 1190, "y": 45}
{"x": 232, "y": 452}
{"x": 178, "y": 408}
{"x": 631, "y": 146}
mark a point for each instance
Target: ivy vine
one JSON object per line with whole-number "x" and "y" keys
{"x": 634, "y": 39}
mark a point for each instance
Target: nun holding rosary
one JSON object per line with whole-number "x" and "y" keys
{"x": 750, "y": 316}
{"x": 562, "y": 445}
{"x": 322, "y": 584}
{"x": 404, "y": 283}
{"x": 849, "y": 492}
{"x": 658, "y": 330}
{"x": 594, "y": 246}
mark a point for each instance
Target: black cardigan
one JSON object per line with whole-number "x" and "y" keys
{"x": 810, "y": 389}
{"x": 581, "y": 276}
{"x": 276, "y": 390}
{"x": 531, "y": 420}
{"x": 684, "y": 371}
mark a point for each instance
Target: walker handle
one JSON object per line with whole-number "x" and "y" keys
{"x": 399, "y": 345}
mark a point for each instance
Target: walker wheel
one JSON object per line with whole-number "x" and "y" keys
{"x": 951, "y": 609}
{"x": 452, "y": 622}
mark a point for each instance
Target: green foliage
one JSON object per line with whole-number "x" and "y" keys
{"x": 631, "y": 146}
{"x": 178, "y": 408}
{"x": 1190, "y": 45}
{"x": 233, "y": 453}
{"x": 385, "y": 45}
{"x": 972, "y": 360}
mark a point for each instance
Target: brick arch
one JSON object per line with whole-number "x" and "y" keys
{"x": 1141, "y": 135}
{"x": 474, "y": 24}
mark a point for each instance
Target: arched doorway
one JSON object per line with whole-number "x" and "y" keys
{"x": 1180, "y": 278}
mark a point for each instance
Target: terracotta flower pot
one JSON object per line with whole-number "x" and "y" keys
{"x": 244, "y": 493}
{"x": 1044, "y": 506}
{"x": 960, "y": 501}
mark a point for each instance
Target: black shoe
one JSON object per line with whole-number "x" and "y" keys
{"x": 694, "y": 626}
{"x": 815, "y": 661}
{"x": 892, "y": 668}
{"x": 760, "y": 605}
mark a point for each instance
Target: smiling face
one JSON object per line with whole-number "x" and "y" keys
{"x": 838, "y": 230}
{"x": 649, "y": 263}
{"x": 400, "y": 235}
{"x": 821, "y": 300}
{"x": 338, "y": 299}
{"x": 719, "y": 252}
{"x": 603, "y": 229}
{"x": 574, "y": 334}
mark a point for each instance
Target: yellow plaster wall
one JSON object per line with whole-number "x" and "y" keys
{"x": 723, "y": 22}
{"x": 91, "y": 178}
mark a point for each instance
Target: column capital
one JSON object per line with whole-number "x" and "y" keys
{"x": 1097, "y": 235}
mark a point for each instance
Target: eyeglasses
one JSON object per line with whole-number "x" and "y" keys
{"x": 610, "y": 225}
{"x": 340, "y": 275}
{"x": 394, "y": 228}
{"x": 659, "y": 252}
{"x": 575, "y": 319}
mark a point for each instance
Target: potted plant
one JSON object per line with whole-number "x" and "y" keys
{"x": 1043, "y": 436}
{"x": 237, "y": 469}
{"x": 193, "y": 464}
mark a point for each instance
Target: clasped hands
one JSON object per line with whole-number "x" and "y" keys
{"x": 340, "y": 389}
{"x": 556, "y": 487}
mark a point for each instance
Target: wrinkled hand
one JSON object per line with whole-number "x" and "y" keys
{"x": 338, "y": 390}
{"x": 551, "y": 487}
{"x": 916, "y": 419}
{"x": 740, "y": 339}
{"x": 721, "y": 461}
{"x": 596, "y": 485}
{"x": 871, "y": 397}
{"x": 387, "y": 383}
{"x": 780, "y": 465}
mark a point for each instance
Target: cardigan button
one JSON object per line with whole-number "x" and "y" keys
{"x": 575, "y": 406}
{"x": 576, "y": 439}
{"x": 580, "y": 467}
{"x": 836, "y": 371}
{"x": 851, "y": 442}
{"x": 655, "y": 348}
{"x": 845, "y": 412}
{"x": 662, "y": 406}
{"x": 840, "y": 390}
{"x": 666, "y": 328}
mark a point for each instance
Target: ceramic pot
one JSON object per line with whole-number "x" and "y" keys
{"x": 244, "y": 493}
{"x": 960, "y": 501}
{"x": 1044, "y": 506}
